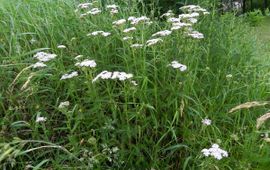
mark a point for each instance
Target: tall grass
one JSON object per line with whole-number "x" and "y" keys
{"x": 156, "y": 124}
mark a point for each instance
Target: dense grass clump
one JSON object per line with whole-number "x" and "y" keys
{"x": 150, "y": 116}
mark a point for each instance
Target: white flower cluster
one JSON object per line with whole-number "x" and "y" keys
{"x": 206, "y": 122}
{"x": 153, "y": 41}
{"x": 215, "y": 151}
{"x": 69, "y": 76}
{"x": 136, "y": 46}
{"x": 38, "y": 65}
{"x": 93, "y": 11}
{"x": 119, "y": 22}
{"x": 44, "y": 57}
{"x": 61, "y": 47}
{"x": 177, "y": 65}
{"x": 194, "y": 8}
{"x": 179, "y": 25}
{"x": 186, "y": 20}
{"x": 86, "y": 63}
{"x": 113, "y": 75}
{"x": 63, "y": 104}
{"x": 41, "y": 119}
{"x": 129, "y": 29}
{"x": 85, "y": 5}
{"x": 162, "y": 33}
{"x": 113, "y": 9}
{"x": 196, "y": 34}
{"x": 136, "y": 21}
{"x": 95, "y": 33}
{"x": 127, "y": 38}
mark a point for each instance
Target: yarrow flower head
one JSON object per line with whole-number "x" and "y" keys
{"x": 95, "y": 33}
{"x": 61, "y": 46}
{"x": 194, "y": 8}
{"x": 177, "y": 65}
{"x": 127, "y": 38}
{"x": 206, "y": 122}
{"x": 63, "y": 104}
{"x": 113, "y": 75}
{"x": 129, "y": 29}
{"x": 215, "y": 151}
{"x": 69, "y": 76}
{"x": 84, "y": 5}
{"x": 44, "y": 57}
{"x": 135, "y": 21}
{"x": 196, "y": 35}
{"x": 87, "y": 63}
{"x": 136, "y": 46}
{"x": 153, "y": 41}
{"x": 41, "y": 119}
{"x": 119, "y": 22}
{"x": 162, "y": 33}
{"x": 179, "y": 25}
{"x": 113, "y": 9}
{"x": 39, "y": 65}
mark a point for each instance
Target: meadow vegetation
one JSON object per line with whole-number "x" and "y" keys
{"x": 82, "y": 89}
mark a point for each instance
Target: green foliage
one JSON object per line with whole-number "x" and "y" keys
{"x": 254, "y": 18}
{"x": 113, "y": 124}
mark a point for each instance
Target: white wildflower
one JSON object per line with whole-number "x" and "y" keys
{"x": 78, "y": 57}
{"x": 196, "y": 34}
{"x": 206, "y": 122}
{"x": 61, "y": 46}
{"x": 41, "y": 119}
{"x": 173, "y": 20}
{"x": 119, "y": 22}
{"x": 192, "y": 15}
{"x": 179, "y": 25}
{"x": 94, "y": 11}
{"x": 153, "y": 41}
{"x": 193, "y": 8}
{"x": 177, "y": 65}
{"x": 215, "y": 151}
{"x": 113, "y": 75}
{"x": 134, "y": 83}
{"x": 63, "y": 104}
{"x": 87, "y": 63}
{"x": 114, "y": 11}
{"x": 95, "y": 33}
{"x": 162, "y": 33}
{"x": 229, "y": 76}
{"x": 136, "y": 46}
{"x": 44, "y": 57}
{"x": 113, "y": 6}
{"x": 129, "y": 29}
{"x": 39, "y": 65}
{"x": 135, "y": 21}
{"x": 127, "y": 38}
{"x": 84, "y": 5}
{"x": 69, "y": 76}
{"x": 193, "y": 20}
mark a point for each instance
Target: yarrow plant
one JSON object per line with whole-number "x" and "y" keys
{"x": 215, "y": 152}
{"x": 177, "y": 65}
{"x": 69, "y": 76}
{"x": 95, "y": 33}
{"x": 86, "y": 63}
{"x": 206, "y": 122}
{"x": 113, "y": 75}
{"x": 39, "y": 65}
{"x": 44, "y": 57}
